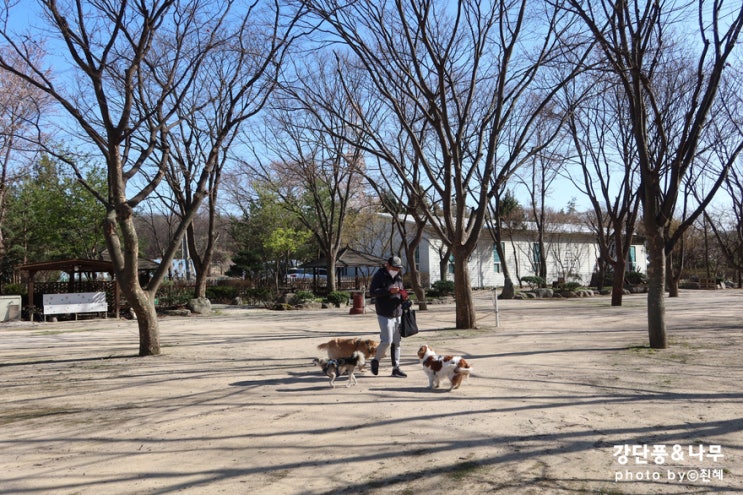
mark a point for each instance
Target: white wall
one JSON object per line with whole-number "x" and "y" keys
{"x": 572, "y": 259}
{"x": 570, "y": 255}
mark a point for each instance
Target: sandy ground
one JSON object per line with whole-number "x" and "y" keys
{"x": 234, "y": 405}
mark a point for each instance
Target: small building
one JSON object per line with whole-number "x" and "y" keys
{"x": 571, "y": 254}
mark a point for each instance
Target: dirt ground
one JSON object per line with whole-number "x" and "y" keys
{"x": 234, "y": 405}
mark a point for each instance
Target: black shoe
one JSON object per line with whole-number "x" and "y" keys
{"x": 399, "y": 372}
{"x": 375, "y": 367}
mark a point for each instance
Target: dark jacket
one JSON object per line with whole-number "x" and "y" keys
{"x": 386, "y": 304}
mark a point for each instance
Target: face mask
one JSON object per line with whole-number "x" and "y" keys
{"x": 393, "y": 273}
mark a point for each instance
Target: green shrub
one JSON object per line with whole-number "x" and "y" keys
{"x": 337, "y": 297}
{"x": 258, "y": 295}
{"x": 636, "y": 278}
{"x": 533, "y": 281}
{"x": 174, "y": 296}
{"x": 441, "y": 288}
{"x": 571, "y": 285}
{"x": 221, "y": 293}
{"x": 15, "y": 289}
{"x": 301, "y": 297}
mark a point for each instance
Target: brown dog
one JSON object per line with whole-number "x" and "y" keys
{"x": 340, "y": 348}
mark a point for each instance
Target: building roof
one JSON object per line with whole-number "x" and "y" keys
{"x": 347, "y": 257}
{"x": 81, "y": 265}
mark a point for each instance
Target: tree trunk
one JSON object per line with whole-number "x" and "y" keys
{"x": 617, "y": 286}
{"x": 443, "y": 267}
{"x": 465, "y": 308}
{"x": 656, "y": 290}
{"x": 149, "y": 327}
{"x": 331, "y": 283}
{"x": 415, "y": 277}
{"x": 672, "y": 277}
{"x": 508, "y": 292}
{"x": 601, "y": 275}
{"x": 516, "y": 262}
{"x": 542, "y": 260}
{"x": 201, "y": 279}
{"x": 201, "y": 261}
{"x": 125, "y": 259}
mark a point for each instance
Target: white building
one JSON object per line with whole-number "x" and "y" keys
{"x": 571, "y": 256}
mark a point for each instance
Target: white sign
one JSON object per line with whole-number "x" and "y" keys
{"x": 78, "y": 302}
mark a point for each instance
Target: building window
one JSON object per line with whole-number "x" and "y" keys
{"x": 496, "y": 260}
{"x": 537, "y": 256}
{"x": 451, "y": 263}
{"x": 632, "y": 265}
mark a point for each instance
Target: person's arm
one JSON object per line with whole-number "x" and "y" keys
{"x": 377, "y": 287}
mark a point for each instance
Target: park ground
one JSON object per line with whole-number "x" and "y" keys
{"x": 233, "y": 405}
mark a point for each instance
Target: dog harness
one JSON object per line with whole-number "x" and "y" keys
{"x": 332, "y": 363}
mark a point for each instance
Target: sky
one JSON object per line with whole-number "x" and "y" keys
{"x": 561, "y": 193}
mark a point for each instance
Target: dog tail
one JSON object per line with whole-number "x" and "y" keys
{"x": 359, "y": 356}
{"x": 463, "y": 367}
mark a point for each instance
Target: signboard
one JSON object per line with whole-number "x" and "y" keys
{"x": 79, "y": 302}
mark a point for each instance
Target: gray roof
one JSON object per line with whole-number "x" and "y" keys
{"x": 103, "y": 265}
{"x": 347, "y": 257}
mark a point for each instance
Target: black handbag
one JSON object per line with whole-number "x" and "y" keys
{"x": 408, "y": 324}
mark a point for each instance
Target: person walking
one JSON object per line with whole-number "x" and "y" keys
{"x": 387, "y": 290}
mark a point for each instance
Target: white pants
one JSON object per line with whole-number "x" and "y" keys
{"x": 389, "y": 333}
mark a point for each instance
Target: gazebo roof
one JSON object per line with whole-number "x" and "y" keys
{"x": 347, "y": 257}
{"x": 81, "y": 265}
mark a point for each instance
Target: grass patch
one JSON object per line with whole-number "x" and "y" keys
{"x": 611, "y": 491}
{"x": 15, "y": 415}
{"x": 279, "y": 475}
{"x": 449, "y": 333}
{"x": 462, "y": 470}
{"x": 679, "y": 358}
{"x": 642, "y": 350}
{"x": 667, "y": 380}
{"x": 71, "y": 330}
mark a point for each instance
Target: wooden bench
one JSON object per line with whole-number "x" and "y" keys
{"x": 75, "y": 303}
{"x": 707, "y": 283}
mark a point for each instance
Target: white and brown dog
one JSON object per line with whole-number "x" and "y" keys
{"x": 455, "y": 368}
{"x": 333, "y": 368}
{"x": 340, "y": 348}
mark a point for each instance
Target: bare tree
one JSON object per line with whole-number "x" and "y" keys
{"x": 726, "y": 220}
{"x": 466, "y": 83}
{"x": 405, "y": 208}
{"x": 395, "y": 197}
{"x": 319, "y": 172}
{"x": 21, "y": 106}
{"x": 238, "y": 76}
{"x": 636, "y": 39}
{"x": 727, "y": 226}
{"x": 126, "y": 69}
{"x": 156, "y": 229}
{"x": 365, "y": 231}
{"x": 537, "y": 178}
{"x": 506, "y": 216}
{"x": 607, "y": 158}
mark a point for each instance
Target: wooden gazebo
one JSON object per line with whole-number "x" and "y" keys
{"x": 82, "y": 277}
{"x": 349, "y": 258}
